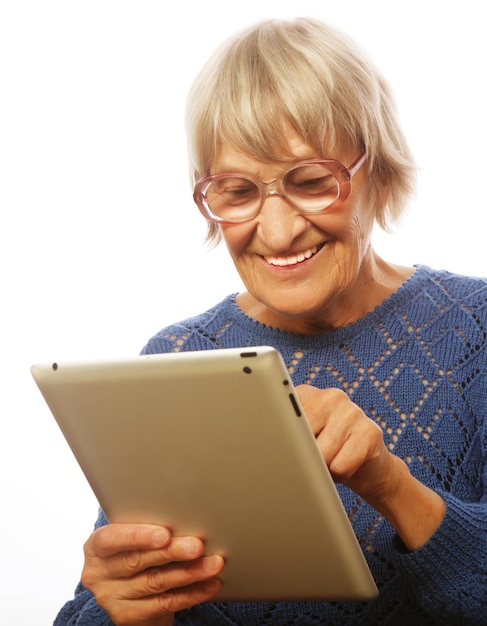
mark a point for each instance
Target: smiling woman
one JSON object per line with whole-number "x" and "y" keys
{"x": 101, "y": 244}
{"x": 332, "y": 283}
{"x": 389, "y": 361}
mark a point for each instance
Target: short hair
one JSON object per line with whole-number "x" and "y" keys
{"x": 311, "y": 77}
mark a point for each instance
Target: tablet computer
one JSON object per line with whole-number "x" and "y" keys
{"x": 215, "y": 444}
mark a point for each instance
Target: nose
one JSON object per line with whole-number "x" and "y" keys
{"x": 278, "y": 223}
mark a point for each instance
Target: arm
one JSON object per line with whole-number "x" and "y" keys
{"x": 353, "y": 448}
{"x": 443, "y": 553}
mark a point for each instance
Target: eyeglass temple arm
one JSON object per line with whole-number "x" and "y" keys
{"x": 357, "y": 164}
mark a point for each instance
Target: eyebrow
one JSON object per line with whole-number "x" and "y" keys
{"x": 254, "y": 172}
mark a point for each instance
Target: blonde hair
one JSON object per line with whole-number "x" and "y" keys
{"x": 309, "y": 76}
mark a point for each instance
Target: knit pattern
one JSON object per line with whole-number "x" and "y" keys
{"x": 417, "y": 365}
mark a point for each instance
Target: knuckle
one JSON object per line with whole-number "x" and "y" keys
{"x": 103, "y": 597}
{"x": 190, "y": 573}
{"x": 176, "y": 576}
{"x": 182, "y": 598}
{"x": 87, "y": 579}
{"x": 155, "y": 580}
{"x": 336, "y": 394}
{"x": 98, "y": 542}
{"x": 132, "y": 560}
{"x": 89, "y": 546}
{"x": 135, "y": 535}
{"x": 377, "y": 435}
{"x": 92, "y": 577}
{"x": 339, "y": 470}
{"x": 168, "y": 603}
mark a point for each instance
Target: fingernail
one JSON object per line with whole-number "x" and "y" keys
{"x": 160, "y": 537}
{"x": 212, "y": 564}
{"x": 192, "y": 546}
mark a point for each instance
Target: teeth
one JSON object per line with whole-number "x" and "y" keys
{"x": 293, "y": 259}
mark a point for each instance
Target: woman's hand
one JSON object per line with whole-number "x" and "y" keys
{"x": 141, "y": 575}
{"x": 351, "y": 444}
{"x": 353, "y": 448}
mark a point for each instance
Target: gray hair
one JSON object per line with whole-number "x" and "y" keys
{"x": 309, "y": 76}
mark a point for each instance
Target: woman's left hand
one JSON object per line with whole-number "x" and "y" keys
{"x": 353, "y": 448}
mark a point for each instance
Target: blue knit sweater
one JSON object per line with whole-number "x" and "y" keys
{"x": 417, "y": 365}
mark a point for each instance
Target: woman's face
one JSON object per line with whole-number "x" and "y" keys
{"x": 303, "y": 273}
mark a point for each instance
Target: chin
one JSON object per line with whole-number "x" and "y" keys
{"x": 298, "y": 315}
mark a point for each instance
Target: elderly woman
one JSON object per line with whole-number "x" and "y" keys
{"x": 296, "y": 152}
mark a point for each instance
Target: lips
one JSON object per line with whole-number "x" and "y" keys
{"x": 293, "y": 259}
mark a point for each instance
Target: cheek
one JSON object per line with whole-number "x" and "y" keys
{"x": 352, "y": 222}
{"x": 337, "y": 225}
{"x": 237, "y": 237}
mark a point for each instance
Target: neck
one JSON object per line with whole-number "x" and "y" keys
{"x": 370, "y": 288}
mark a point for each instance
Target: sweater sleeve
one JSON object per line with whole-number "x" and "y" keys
{"x": 82, "y": 610}
{"x": 452, "y": 565}
{"x": 449, "y": 572}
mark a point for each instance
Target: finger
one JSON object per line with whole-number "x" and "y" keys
{"x": 320, "y": 405}
{"x": 113, "y": 539}
{"x": 131, "y": 562}
{"x": 344, "y": 439}
{"x": 309, "y": 400}
{"x": 183, "y": 598}
{"x": 331, "y": 443}
{"x": 166, "y": 603}
{"x": 346, "y": 460}
{"x": 180, "y": 549}
{"x": 159, "y": 580}
{"x": 358, "y": 451}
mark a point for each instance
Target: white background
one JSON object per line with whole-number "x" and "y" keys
{"x": 100, "y": 245}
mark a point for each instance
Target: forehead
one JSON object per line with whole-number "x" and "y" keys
{"x": 229, "y": 158}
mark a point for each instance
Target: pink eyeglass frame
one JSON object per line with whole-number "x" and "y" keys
{"x": 342, "y": 174}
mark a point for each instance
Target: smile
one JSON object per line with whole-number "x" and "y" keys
{"x": 293, "y": 259}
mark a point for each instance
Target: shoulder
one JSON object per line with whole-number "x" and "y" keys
{"x": 198, "y": 332}
{"x": 449, "y": 280}
{"x": 448, "y": 290}
{"x": 441, "y": 319}
{"x": 450, "y": 324}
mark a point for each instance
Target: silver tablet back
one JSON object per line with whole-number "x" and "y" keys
{"x": 214, "y": 444}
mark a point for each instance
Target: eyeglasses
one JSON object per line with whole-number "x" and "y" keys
{"x": 309, "y": 187}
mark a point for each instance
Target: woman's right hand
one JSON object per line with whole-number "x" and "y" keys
{"x": 141, "y": 575}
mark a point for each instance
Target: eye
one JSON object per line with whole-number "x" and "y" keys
{"x": 232, "y": 190}
{"x": 312, "y": 180}
{"x": 238, "y": 190}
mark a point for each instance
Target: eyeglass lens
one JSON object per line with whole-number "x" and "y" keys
{"x": 310, "y": 187}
